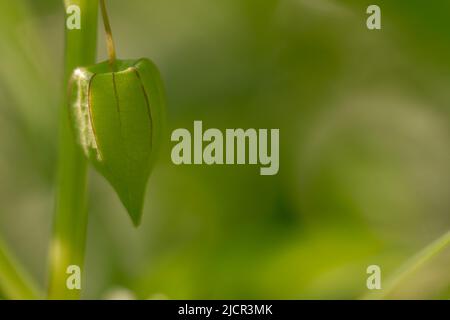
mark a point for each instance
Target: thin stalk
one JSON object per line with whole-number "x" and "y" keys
{"x": 15, "y": 283}
{"x": 69, "y": 236}
{"x": 412, "y": 266}
{"x": 109, "y": 38}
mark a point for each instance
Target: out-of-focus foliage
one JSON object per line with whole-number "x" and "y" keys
{"x": 365, "y": 147}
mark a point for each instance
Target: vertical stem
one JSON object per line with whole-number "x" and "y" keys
{"x": 68, "y": 243}
{"x": 109, "y": 38}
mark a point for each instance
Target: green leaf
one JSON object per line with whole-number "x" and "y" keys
{"x": 15, "y": 282}
{"x": 118, "y": 121}
{"x": 401, "y": 277}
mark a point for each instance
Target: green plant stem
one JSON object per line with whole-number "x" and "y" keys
{"x": 15, "y": 283}
{"x": 109, "y": 38}
{"x": 412, "y": 265}
{"x": 69, "y": 237}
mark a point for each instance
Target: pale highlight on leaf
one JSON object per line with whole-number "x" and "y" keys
{"x": 81, "y": 79}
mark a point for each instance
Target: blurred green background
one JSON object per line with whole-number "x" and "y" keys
{"x": 365, "y": 147}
